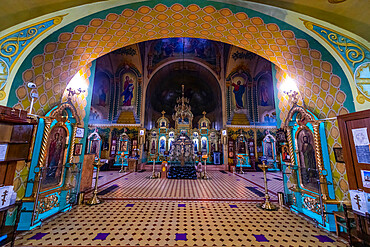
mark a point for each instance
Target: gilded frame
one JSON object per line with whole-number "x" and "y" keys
{"x": 300, "y": 128}
{"x": 65, "y": 156}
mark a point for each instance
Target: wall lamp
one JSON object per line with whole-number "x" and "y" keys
{"x": 290, "y": 88}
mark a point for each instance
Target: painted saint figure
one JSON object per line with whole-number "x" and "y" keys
{"x": 102, "y": 96}
{"x": 307, "y": 157}
{"x": 55, "y": 154}
{"x": 195, "y": 146}
{"x": 204, "y": 145}
{"x": 264, "y": 94}
{"x": 269, "y": 150}
{"x": 308, "y": 154}
{"x": 128, "y": 89}
{"x": 152, "y": 150}
{"x": 162, "y": 147}
{"x": 239, "y": 90}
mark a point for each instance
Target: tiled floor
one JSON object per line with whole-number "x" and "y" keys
{"x": 160, "y": 223}
{"x": 220, "y": 186}
{"x": 274, "y": 179}
{"x": 139, "y": 211}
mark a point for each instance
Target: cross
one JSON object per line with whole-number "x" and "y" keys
{"x": 163, "y": 112}
{"x": 3, "y": 196}
{"x": 357, "y": 198}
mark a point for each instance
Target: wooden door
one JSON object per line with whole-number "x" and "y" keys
{"x": 350, "y": 127}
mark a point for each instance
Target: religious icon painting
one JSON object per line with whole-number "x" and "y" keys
{"x": 365, "y": 178}
{"x": 55, "y": 158}
{"x": 128, "y": 89}
{"x": 264, "y": 92}
{"x": 338, "y": 153}
{"x": 307, "y": 159}
{"x": 239, "y": 87}
{"x": 77, "y": 149}
{"x": 281, "y": 136}
{"x": 285, "y": 153}
{"x": 101, "y": 89}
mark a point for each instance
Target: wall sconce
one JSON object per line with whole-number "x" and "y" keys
{"x": 72, "y": 92}
{"x": 290, "y": 88}
{"x": 74, "y": 86}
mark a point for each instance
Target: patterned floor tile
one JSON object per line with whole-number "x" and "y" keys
{"x": 219, "y": 186}
{"x": 163, "y": 223}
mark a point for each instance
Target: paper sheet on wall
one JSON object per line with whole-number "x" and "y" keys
{"x": 365, "y": 178}
{"x": 361, "y": 141}
{"x": 3, "y": 149}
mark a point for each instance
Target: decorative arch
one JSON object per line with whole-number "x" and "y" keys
{"x": 85, "y": 40}
{"x": 158, "y": 68}
{"x": 57, "y": 112}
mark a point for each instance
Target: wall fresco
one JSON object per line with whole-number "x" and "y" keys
{"x": 71, "y": 50}
{"x": 329, "y": 110}
{"x": 14, "y": 44}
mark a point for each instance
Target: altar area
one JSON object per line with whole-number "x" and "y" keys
{"x": 182, "y": 144}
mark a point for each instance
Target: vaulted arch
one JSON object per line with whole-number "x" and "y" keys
{"x": 62, "y": 54}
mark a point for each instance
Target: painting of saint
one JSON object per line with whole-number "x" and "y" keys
{"x": 55, "y": 157}
{"x": 128, "y": 91}
{"x": 123, "y": 147}
{"x": 204, "y": 145}
{"x": 284, "y": 154}
{"x": 307, "y": 158}
{"x": 268, "y": 150}
{"x": 102, "y": 95}
{"x": 152, "y": 150}
{"x": 264, "y": 94}
{"x": 101, "y": 90}
{"x": 162, "y": 147}
{"x": 94, "y": 147}
{"x": 239, "y": 89}
{"x": 195, "y": 146}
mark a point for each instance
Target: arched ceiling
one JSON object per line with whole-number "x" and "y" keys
{"x": 55, "y": 60}
{"x": 201, "y": 88}
{"x": 351, "y": 15}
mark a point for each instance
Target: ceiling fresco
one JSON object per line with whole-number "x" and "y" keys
{"x": 349, "y": 15}
{"x": 59, "y": 57}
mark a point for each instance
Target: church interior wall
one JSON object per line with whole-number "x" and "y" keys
{"x": 73, "y": 49}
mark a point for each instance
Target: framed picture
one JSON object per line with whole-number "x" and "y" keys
{"x": 55, "y": 158}
{"x": 80, "y": 133}
{"x": 78, "y": 149}
{"x": 280, "y": 136}
{"x": 285, "y": 153}
{"x": 338, "y": 153}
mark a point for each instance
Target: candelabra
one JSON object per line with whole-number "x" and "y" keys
{"x": 205, "y": 176}
{"x": 95, "y": 200}
{"x": 154, "y": 175}
{"x": 267, "y": 205}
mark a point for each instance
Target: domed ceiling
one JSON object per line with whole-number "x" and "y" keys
{"x": 201, "y": 87}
